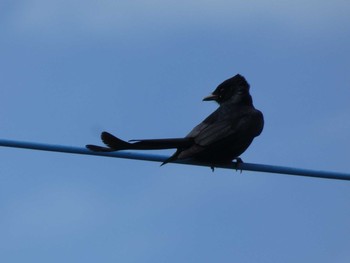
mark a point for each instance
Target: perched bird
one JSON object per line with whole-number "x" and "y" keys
{"x": 222, "y": 137}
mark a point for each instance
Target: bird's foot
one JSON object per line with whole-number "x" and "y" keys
{"x": 237, "y": 162}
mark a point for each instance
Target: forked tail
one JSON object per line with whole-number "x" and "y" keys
{"x": 115, "y": 144}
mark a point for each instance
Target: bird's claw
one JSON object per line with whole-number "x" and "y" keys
{"x": 237, "y": 163}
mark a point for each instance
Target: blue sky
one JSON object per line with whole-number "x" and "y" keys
{"x": 71, "y": 69}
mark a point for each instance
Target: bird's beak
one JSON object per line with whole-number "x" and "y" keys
{"x": 210, "y": 97}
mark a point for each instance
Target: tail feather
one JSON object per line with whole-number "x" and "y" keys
{"x": 171, "y": 158}
{"x": 113, "y": 143}
{"x": 96, "y": 148}
{"x": 156, "y": 144}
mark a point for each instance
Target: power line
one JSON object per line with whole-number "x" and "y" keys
{"x": 160, "y": 158}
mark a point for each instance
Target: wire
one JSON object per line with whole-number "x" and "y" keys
{"x": 159, "y": 158}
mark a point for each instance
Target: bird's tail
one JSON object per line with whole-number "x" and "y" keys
{"x": 115, "y": 144}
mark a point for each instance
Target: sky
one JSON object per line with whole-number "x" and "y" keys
{"x": 139, "y": 69}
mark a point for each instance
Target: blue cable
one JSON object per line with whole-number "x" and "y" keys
{"x": 159, "y": 158}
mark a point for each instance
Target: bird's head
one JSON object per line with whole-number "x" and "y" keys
{"x": 233, "y": 90}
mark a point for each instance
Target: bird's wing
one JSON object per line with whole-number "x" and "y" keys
{"x": 210, "y": 120}
{"x": 214, "y": 128}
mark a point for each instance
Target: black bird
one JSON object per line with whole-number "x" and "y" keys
{"x": 222, "y": 137}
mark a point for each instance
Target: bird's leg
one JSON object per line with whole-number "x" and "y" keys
{"x": 237, "y": 162}
{"x": 212, "y": 168}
